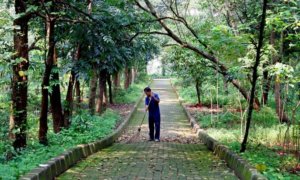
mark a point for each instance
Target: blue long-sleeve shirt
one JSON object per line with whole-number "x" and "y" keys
{"x": 153, "y": 107}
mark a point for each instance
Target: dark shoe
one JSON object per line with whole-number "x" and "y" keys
{"x": 151, "y": 140}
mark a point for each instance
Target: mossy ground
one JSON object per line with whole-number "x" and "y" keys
{"x": 177, "y": 156}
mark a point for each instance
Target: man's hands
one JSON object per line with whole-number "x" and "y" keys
{"x": 146, "y": 108}
{"x": 152, "y": 97}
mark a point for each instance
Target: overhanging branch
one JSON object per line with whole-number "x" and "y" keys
{"x": 221, "y": 67}
{"x": 151, "y": 32}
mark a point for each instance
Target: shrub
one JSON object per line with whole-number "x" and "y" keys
{"x": 84, "y": 129}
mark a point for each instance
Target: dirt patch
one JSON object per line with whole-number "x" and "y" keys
{"x": 123, "y": 110}
{"x": 133, "y": 136}
{"x": 208, "y": 109}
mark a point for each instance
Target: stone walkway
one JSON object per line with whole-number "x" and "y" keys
{"x": 179, "y": 155}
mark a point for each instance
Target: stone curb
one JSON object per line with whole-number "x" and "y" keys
{"x": 63, "y": 162}
{"x": 240, "y": 166}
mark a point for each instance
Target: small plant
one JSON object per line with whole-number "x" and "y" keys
{"x": 84, "y": 128}
{"x": 130, "y": 95}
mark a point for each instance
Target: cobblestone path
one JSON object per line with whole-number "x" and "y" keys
{"x": 179, "y": 155}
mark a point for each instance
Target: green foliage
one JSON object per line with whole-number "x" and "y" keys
{"x": 222, "y": 120}
{"x": 265, "y": 117}
{"x": 210, "y": 93}
{"x": 276, "y": 165}
{"x": 130, "y": 95}
{"x": 108, "y": 40}
{"x": 142, "y": 78}
{"x": 188, "y": 94}
{"x": 228, "y": 127}
{"x": 84, "y": 128}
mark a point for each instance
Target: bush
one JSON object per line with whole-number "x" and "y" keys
{"x": 265, "y": 117}
{"x": 220, "y": 120}
{"x": 84, "y": 128}
{"x": 130, "y": 95}
{"x": 188, "y": 94}
{"x": 142, "y": 78}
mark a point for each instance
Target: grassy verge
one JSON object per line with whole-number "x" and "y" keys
{"x": 130, "y": 95}
{"x": 265, "y": 150}
{"x": 84, "y": 129}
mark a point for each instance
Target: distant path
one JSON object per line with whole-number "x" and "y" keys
{"x": 179, "y": 155}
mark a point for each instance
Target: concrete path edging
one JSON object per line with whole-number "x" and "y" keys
{"x": 61, "y": 163}
{"x": 240, "y": 166}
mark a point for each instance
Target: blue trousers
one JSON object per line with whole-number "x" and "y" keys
{"x": 154, "y": 123}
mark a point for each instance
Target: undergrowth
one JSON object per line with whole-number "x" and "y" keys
{"x": 264, "y": 150}
{"x": 84, "y": 128}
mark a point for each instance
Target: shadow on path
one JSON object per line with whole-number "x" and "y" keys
{"x": 179, "y": 155}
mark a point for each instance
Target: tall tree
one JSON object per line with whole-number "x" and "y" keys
{"x": 127, "y": 76}
{"x": 93, "y": 90}
{"x": 102, "y": 86}
{"x": 255, "y": 74}
{"x": 110, "y": 93}
{"x": 116, "y": 81}
{"x": 206, "y": 53}
{"x": 55, "y": 96}
{"x": 277, "y": 85}
{"x": 69, "y": 97}
{"x": 20, "y": 79}
{"x": 50, "y": 22}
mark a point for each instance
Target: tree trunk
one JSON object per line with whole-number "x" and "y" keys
{"x": 231, "y": 18}
{"x": 136, "y": 74}
{"x": 279, "y": 105}
{"x": 277, "y": 90}
{"x": 198, "y": 91}
{"x": 69, "y": 100}
{"x": 78, "y": 93}
{"x": 225, "y": 83}
{"x": 266, "y": 78}
{"x": 11, "y": 134}
{"x": 46, "y": 82}
{"x": 163, "y": 68}
{"x": 255, "y": 75}
{"x": 20, "y": 79}
{"x": 127, "y": 77}
{"x": 69, "y": 97}
{"x": 116, "y": 81}
{"x": 93, "y": 89}
{"x": 55, "y": 99}
{"x": 102, "y": 82}
{"x": 130, "y": 76}
{"x": 221, "y": 68}
{"x": 43, "y": 128}
{"x": 266, "y": 87}
{"x": 90, "y": 6}
{"x": 105, "y": 100}
{"x": 110, "y": 89}
{"x": 298, "y": 85}
{"x": 133, "y": 72}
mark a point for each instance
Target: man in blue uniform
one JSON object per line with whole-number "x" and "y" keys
{"x": 152, "y": 105}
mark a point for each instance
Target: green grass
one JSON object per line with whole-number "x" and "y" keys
{"x": 265, "y": 117}
{"x": 275, "y": 166}
{"x": 84, "y": 129}
{"x": 130, "y": 95}
{"x": 228, "y": 127}
{"x": 209, "y": 95}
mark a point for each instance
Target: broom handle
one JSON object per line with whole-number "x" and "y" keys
{"x": 145, "y": 113}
